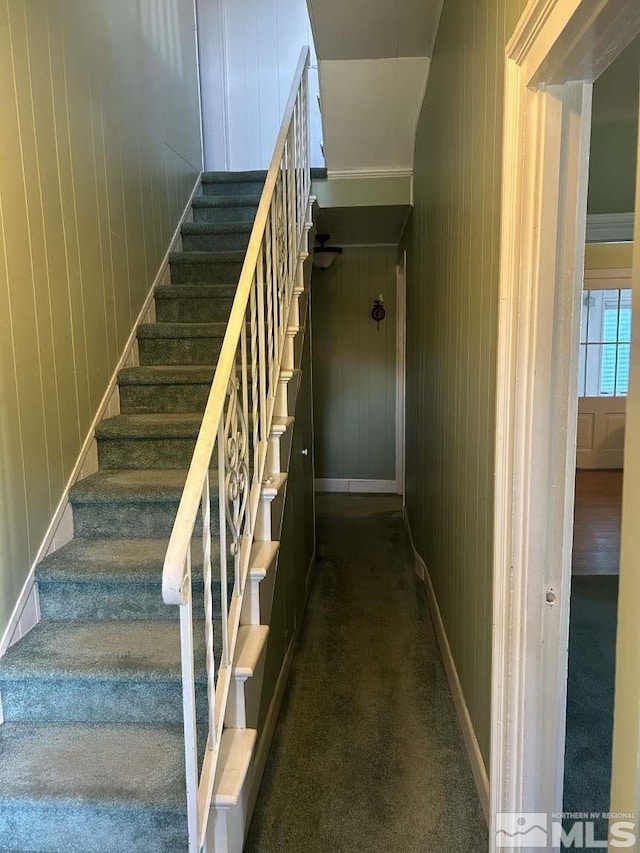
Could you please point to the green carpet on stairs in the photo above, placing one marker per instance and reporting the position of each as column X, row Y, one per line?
column 367, row 754
column 91, row 750
column 590, row 688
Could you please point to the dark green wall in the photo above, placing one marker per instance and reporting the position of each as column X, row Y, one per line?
column 297, row 536
column 452, row 310
column 355, row 377
column 614, row 135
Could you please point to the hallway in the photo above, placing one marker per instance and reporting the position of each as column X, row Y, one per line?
column 367, row 755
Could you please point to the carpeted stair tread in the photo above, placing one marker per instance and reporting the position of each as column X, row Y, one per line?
column 197, row 228
column 134, row 503
column 140, row 486
column 215, row 265
column 180, row 344
column 216, row 236
column 166, row 375
column 209, row 201
column 150, row 426
column 121, row 560
column 108, row 580
column 194, row 302
column 178, row 259
column 109, row 765
column 182, row 330
column 201, row 290
column 100, row 651
column 246, row 176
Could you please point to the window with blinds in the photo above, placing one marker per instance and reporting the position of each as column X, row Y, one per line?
column 605, row 343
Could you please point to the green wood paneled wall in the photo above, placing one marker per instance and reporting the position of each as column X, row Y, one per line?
column 99, row 151
column 354, row 366
column 612, row 165
column 452, row 309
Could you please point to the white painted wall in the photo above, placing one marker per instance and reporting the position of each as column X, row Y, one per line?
column 249, row 50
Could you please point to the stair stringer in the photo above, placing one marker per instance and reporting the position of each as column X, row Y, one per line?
column 229, row 823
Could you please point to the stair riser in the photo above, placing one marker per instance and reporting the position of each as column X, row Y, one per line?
column 179, row 350
column 74, row 700
column 224, row 214
column 205, row 272
column 146, row 454
column 214, row 242
column 83, row 828
column 233, row 188
column 131, row 520
column 61, row 601
column 163, row 399
column 185, row 310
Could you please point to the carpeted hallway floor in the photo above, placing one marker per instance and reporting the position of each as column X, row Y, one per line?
column 367, row 755
column 590, row 688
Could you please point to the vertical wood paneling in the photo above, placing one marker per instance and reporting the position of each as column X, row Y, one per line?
column 452, row 307
column 355, row 366
column 99, row 151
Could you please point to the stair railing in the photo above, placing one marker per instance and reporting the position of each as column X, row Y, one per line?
column 238, row 420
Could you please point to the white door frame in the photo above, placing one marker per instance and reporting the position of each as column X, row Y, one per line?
column 544, row 187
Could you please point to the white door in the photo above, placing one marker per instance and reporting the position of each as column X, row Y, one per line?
column 605, row 337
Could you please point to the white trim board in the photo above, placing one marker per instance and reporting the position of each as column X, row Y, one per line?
column 327, row 484
column 364, row 245
column 613, row 275
column 401, row 333
column 610, row 227
column 26, row 613
column 358, row 174
column 462, row 712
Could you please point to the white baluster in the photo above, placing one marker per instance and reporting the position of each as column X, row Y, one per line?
column 222, row 503
column 208, row 611
column 189, row 708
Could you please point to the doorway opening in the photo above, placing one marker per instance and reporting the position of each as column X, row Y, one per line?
column 556, row 53
column 604, row 366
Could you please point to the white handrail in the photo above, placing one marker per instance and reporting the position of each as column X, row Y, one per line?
column 238, row 414
column 173, row 572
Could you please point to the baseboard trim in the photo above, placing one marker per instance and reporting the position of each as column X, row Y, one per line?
column 464, row 719
column 324, row 484
column 26, row 613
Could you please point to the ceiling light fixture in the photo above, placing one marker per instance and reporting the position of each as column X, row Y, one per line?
column 324, row 256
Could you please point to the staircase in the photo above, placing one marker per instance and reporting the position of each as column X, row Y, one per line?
column 92, row 745
column 130, row 712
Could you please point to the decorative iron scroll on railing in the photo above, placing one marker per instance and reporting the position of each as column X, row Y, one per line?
column 238, row 418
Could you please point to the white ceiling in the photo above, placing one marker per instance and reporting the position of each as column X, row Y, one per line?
column 374, row 29
column 370, row 110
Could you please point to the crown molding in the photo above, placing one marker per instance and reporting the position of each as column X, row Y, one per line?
column 530, row 26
